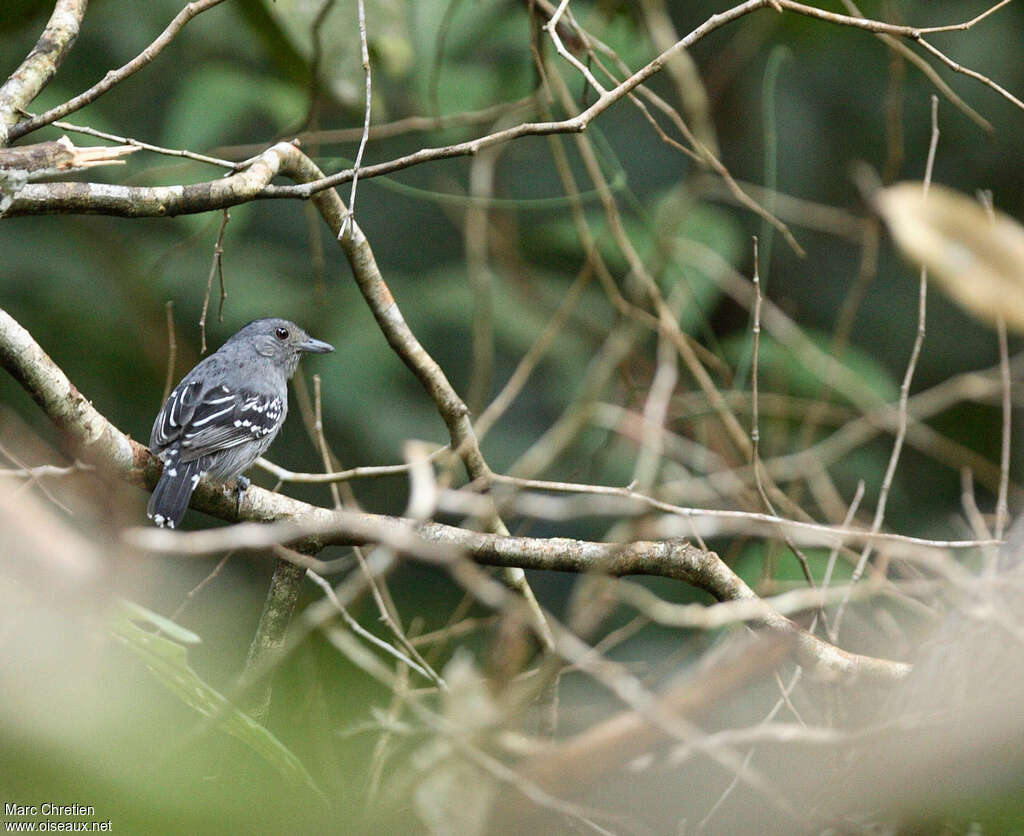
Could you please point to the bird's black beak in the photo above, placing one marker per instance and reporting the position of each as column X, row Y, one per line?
column 315, row 346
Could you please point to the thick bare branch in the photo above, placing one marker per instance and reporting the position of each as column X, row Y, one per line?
column 45, row 159
column 154, row 201
column 21, row 165
column 94, row 439
column 26, row 82
column 677, row 559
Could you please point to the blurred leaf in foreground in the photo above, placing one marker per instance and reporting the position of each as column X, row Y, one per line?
column 167, row 660
column 334, row 26
column 976, row 255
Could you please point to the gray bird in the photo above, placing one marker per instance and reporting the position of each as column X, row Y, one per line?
column 225, row 413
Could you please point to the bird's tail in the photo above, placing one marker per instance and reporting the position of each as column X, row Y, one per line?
column 172, row 493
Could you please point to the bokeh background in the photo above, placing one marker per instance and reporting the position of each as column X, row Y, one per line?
column 794, row 103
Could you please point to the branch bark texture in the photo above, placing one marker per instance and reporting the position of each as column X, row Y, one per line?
column 41, row 64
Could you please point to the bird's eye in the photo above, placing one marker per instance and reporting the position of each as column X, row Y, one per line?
column 281, row 333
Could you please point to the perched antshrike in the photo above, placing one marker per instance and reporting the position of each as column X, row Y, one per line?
column 225, row 413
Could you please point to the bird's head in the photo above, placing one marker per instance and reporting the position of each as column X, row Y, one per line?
column 280, row 341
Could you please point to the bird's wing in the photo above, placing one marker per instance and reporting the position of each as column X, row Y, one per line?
column 219, row 423
column 249, row 416
column 177, row 411
column 219, row 418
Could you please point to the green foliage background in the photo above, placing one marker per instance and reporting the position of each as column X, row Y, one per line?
column 92, row 291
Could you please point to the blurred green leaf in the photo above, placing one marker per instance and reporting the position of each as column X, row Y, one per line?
column 677, row 216
column 275, row 42
column 132, row 613
column 168, row 661
column 340, row 68
column 749, row 565
column 211, row 105
column 792, row 373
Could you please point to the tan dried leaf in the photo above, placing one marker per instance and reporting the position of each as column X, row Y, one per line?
column 975, row 256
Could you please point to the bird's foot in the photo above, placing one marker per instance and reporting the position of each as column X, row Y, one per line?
column 241, row 486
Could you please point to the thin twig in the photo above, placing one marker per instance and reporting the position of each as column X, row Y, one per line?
column 967, row 71
column 1002, row 508
column 32, row 476
column 755, row 428
column 388, row 130
column 41, row 471
column 831, row 533
column 755, row 330
column 361, row 631
column 901, row 431
column 851, row 514
column 378, row 587
column 321, row 439
column 315, row 61
column 783, row 699
column 481, row 278
column 373, row 472
column 216, row 269
column 145, row 146
column 453, row 631
column 974, row 516
column 552, row 29
column 378, row 761
column 534, row 355
column 172, row 349
column 655, row 412
column 199, row 587
column 725, row 613
column 364, row 52
column 904, row 51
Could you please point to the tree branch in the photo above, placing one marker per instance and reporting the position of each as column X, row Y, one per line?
column 26, row 82
column 580, row 122
column 98, row 442
column 152, row 201
column 286, row 159
column 402, row 340
column 45, row 159
column 20, row 165
column 113, row 77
